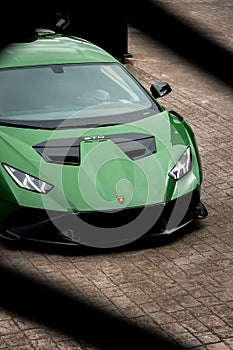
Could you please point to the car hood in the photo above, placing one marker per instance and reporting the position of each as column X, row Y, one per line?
column 96, row 174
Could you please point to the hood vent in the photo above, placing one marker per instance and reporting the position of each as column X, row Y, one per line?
column 67, row 151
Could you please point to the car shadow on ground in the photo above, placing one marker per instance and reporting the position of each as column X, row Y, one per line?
column 48, row 305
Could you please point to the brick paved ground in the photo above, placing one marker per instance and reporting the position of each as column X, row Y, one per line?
column 182, row 289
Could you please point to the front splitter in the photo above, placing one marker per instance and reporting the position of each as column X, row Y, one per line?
column 104, row 229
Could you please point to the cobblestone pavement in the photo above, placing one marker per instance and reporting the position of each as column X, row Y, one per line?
column 182, row 289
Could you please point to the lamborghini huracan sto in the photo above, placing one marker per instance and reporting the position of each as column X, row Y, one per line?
column 88, row 154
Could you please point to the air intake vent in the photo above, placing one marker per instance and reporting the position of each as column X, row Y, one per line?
column 136, row 148
column 67, row 151
column 60, row 155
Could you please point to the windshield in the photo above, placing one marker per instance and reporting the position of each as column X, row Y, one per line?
column 72, row 95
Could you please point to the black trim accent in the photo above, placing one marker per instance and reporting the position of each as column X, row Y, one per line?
column 74, row 142
column 35, row 224
column 67, row 150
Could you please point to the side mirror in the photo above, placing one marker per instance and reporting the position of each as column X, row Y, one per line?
column 62, row 21
column 160, row 89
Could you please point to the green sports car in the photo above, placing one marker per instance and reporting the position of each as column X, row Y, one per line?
column 88, row 154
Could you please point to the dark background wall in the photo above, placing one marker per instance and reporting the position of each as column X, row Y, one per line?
column 104, row 23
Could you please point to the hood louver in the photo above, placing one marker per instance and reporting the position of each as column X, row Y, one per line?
column 67, row 151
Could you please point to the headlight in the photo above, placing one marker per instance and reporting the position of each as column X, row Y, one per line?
column 183, row 166
column 27, row 181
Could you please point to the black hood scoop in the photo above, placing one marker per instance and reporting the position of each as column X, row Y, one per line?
column 67, row 150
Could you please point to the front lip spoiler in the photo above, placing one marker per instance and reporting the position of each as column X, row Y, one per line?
column 199, row 213
column 43, row 230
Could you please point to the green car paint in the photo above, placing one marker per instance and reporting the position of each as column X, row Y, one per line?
column 105, row 177
column 102, row 164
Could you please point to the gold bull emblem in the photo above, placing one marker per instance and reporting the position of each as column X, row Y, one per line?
column 120, row 199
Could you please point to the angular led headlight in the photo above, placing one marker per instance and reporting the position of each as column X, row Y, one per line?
column 183, row 166
column 27, row 181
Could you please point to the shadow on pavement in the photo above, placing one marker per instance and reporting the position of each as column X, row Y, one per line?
column 83, row 321
column 163, row 26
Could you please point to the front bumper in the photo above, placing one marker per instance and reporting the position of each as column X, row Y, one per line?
column 63, row 228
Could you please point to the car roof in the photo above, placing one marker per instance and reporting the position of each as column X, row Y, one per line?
column 51, row 48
